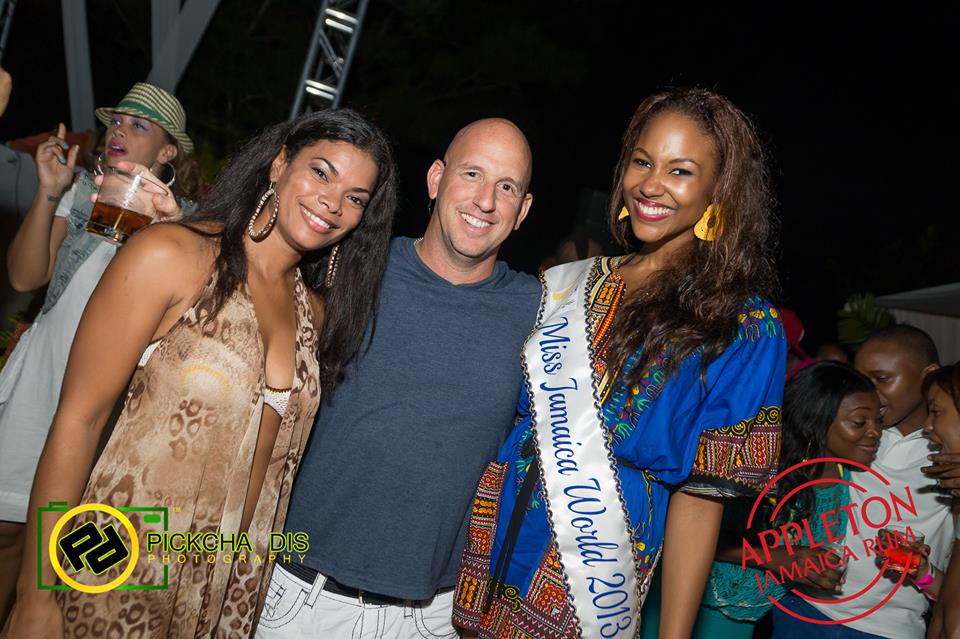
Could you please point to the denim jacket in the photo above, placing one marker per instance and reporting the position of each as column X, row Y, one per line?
column 78, row 244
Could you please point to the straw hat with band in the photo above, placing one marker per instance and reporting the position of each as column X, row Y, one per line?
column 154, row 104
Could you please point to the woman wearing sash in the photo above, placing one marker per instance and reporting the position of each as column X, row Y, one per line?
column 654, row 384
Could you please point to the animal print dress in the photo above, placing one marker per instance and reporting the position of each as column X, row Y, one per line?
column 185, row 442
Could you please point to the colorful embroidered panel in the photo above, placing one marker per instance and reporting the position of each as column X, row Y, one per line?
column 718, row 435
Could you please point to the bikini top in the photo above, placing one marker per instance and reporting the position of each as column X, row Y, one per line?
column 275, row 398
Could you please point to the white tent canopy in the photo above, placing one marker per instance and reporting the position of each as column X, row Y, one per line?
column 935, row 310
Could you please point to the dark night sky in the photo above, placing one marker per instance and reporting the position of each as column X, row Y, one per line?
column 857, row 106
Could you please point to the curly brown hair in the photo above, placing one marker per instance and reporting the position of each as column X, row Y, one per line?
column 189, row 182
column 694, row 301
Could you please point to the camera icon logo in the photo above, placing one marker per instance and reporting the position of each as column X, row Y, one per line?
column 94, row 549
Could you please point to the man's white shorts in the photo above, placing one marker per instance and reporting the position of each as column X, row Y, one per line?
column 295, row 608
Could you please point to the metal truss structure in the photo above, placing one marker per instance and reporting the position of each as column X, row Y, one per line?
column 328, row 62
column 6, row 17
column 176, row 30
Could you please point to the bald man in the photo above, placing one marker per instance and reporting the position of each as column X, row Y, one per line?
column 385, row 486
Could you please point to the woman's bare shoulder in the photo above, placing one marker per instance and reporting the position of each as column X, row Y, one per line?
column 207, row 228
column 173, row 251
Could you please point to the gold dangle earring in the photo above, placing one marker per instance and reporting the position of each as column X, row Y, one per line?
column 624, row 214
column 708, row 226
column 332, row 263
column 256, row 236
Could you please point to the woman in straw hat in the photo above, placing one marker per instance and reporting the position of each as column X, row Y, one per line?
column 145, row 131
column 229, row 323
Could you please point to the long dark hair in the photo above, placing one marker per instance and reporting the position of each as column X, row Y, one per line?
column 350, row 303
column 811, row 400
column 694, row 300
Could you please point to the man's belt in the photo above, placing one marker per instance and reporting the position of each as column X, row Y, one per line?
column 331, row 585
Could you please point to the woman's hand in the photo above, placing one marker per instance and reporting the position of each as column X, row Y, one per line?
column 165, row 207
column 32, row 254
column 54, row 164
column 830, row 579
column 887, row 541
column 923, row 568
column 38, row 618
column 924, row 571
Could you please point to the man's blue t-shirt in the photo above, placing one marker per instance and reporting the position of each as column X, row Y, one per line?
column 387, row 480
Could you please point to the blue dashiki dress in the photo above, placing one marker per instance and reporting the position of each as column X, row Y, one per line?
column 721, row 440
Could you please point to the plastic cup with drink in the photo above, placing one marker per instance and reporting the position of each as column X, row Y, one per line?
column 902, row 546
column 124, row 204
column 837, row 561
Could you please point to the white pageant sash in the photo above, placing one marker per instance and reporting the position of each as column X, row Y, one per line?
column 586, row 510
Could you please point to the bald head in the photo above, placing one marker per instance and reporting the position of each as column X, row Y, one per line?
column 481, row 193
column 496, row 133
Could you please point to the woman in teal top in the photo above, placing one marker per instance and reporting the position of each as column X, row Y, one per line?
column 829, row 410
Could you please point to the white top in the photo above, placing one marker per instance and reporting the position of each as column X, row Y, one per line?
column 66, row 201
column 899, row 460
column 31, row 379
column 276, row 399
column 147, row 352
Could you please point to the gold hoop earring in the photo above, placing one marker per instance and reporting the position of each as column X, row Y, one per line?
column 332, row 263
column 624, row 214
column 256, row 236
column 708, row 226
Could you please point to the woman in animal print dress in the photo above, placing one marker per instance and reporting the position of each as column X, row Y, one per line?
column 237, row 318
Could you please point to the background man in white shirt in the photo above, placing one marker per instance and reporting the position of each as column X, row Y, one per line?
column 896, row 359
